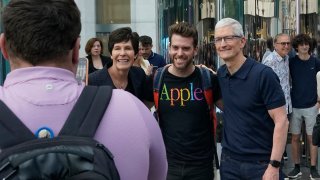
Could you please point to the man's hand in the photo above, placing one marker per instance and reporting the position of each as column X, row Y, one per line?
column 271, row 173
column 202, row 65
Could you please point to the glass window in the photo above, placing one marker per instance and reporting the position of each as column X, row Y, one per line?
column 113, row 12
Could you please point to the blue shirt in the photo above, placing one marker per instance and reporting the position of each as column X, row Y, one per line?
column 304, row 83
column 156, row 60
column 248, row 95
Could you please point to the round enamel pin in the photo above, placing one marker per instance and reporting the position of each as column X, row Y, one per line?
column 44, row 132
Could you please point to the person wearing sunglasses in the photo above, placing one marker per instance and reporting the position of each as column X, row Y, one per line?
column 278, row 60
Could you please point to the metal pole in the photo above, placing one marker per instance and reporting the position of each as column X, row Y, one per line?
column 219, row 17
column 297, row 17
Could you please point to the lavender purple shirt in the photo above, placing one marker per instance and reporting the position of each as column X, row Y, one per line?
column 44, row 96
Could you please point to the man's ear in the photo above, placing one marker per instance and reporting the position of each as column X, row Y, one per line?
column 195, row 51
column 3, row 46
column 243, row 42
column 75, row 51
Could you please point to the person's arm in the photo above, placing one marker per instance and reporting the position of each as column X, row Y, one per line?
column 219, row 104
column 216, row 90
column 279, row 117
column 149, row 104
column 158, row 164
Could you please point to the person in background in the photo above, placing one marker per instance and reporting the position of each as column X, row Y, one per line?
column 303, row 71
column 143, row 63
column 314, row 48
column 255, row 123
column 123, row 46
column 269, row 48
column 145, row 46
column 94, row 50
column 41, row 41
column 278, row 60
column 183, row 112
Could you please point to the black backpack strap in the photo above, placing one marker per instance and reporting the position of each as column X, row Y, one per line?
column 208, row 93
column 88, row 111
column 157, row 80
column 12, row 130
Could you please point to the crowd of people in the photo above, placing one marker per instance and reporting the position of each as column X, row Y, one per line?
column 297, row 75
column 261, row 102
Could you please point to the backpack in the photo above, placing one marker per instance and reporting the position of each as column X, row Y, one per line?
column 316, row 132
column 208, row 94
column 72, row 155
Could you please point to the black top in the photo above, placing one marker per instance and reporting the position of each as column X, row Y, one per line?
column 138, row 83
column 105, row 60
column 304, row 82
column 184, row 117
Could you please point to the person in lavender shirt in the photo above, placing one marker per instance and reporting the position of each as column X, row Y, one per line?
column 41, row 41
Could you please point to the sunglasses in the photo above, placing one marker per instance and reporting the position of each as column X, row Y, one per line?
column 284, row 43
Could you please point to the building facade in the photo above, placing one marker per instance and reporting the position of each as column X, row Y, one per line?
column 260, row 19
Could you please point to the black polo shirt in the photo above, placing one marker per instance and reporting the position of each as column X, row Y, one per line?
column 248, row 95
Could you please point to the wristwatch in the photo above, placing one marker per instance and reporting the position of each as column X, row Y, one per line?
column 275, row 163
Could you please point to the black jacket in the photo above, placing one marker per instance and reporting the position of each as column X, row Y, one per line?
column 138, row 83
column 105, row 60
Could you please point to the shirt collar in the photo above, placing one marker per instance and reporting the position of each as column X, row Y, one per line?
column 242, row 72
column 151, row 55
column 279, row 58
column 32, row 73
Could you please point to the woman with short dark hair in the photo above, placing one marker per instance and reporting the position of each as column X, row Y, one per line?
column 123, row 46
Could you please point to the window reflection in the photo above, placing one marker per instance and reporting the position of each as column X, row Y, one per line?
column 113, row 12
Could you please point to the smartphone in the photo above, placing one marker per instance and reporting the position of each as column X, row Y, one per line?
column 82, row 71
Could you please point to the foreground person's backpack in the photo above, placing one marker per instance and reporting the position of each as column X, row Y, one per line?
column 72, row 155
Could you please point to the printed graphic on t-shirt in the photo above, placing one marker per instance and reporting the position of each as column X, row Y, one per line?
column 184, row 118
column 179, row 96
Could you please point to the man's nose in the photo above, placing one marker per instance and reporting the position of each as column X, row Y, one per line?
column 179, row 51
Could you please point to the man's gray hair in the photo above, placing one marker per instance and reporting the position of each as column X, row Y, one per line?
column 236, row 26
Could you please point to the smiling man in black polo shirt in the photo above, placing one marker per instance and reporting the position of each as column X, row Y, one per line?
column 255, row 119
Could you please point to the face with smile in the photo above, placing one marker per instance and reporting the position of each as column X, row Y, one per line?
column 96, row 49
column 282, row 45
column 228, row 45
column 181, row 52
column 303, row 48
column 123, row 55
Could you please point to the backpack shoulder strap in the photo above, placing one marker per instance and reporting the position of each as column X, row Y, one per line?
column 157, row 80
column 88, row 111
column 12, row 130
column 206, row 78
column 208, row 94
column 206, row 85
